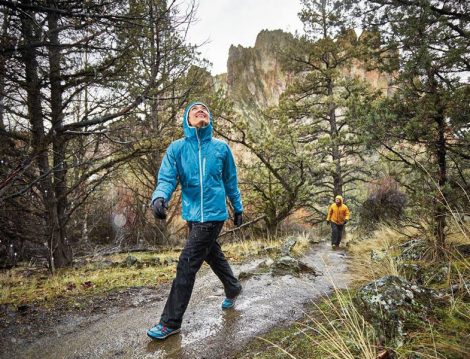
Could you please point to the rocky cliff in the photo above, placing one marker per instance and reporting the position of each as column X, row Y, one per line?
column 254, row 74
column 255, row 78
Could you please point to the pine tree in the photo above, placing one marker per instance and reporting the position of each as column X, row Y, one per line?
column 322, row 99
column 425, row 123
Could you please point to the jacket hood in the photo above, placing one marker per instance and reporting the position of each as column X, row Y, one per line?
column 190, row 132
column 340, row 198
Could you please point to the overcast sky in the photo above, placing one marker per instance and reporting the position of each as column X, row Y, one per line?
column 226, row 22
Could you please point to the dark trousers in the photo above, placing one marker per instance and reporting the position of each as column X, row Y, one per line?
column 201, row 246
column 336, row 233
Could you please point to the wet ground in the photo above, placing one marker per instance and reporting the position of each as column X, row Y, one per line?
column 207, row 332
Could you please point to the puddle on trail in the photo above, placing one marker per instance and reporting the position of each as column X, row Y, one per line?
column 207, row 332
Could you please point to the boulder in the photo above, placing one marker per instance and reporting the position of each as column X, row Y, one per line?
column 412, row 272
column 424, row 274
column 392, row 305
column 287, row 246
column 460, row 289
column 378, row 255
column 290, row 266
column 266, row 263
column 306, row 268
column 106, row 263
column 286, row 265
column 414, row 250
column 130, row 261
column 436, row 274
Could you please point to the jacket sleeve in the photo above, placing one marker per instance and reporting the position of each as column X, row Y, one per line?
column 167, row 176
column 347, row 213
column 328, row 216
column 229, row 176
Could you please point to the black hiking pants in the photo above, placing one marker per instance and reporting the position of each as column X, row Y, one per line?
column 336, row 233
column 201, row 246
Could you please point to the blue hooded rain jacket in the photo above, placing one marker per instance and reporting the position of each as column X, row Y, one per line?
column 206, row 170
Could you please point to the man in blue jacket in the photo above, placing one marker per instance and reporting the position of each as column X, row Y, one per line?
column 206, row 170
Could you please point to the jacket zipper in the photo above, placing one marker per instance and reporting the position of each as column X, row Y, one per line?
column 200, row 176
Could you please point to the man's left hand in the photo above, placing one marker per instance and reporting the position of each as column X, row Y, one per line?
column 237, row 219
column 346, row 221
column 159, row 208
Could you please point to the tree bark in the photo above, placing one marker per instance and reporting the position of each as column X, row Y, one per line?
column 440, row 198
column 440, row 210
column 61, row 249
column 335, row 151
column 40, row 146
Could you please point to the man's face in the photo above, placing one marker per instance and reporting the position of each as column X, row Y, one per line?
column 198, row 116
column 337, row 201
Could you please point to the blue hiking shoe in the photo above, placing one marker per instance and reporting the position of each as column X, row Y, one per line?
column 161, row 332
column 230, row 302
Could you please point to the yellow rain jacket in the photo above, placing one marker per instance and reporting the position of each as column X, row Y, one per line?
column 338, row 214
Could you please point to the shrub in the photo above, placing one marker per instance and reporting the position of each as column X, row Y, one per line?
column 385, row 203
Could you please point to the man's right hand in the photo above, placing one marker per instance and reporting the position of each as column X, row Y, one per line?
column 238, row 219
column 159, row 208
column 327, row 222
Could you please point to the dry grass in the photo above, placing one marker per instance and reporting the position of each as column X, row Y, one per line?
column 384, row 242
column 246, row 249
column 341, row 332
column 331, row 329
column 303, row 243
column 22, row 285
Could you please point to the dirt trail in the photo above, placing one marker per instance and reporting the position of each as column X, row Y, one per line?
column 207, row 331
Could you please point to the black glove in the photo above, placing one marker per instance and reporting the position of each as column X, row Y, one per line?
column 159, row 208
column 237, row 219
column 345, row 221
column 327, row 222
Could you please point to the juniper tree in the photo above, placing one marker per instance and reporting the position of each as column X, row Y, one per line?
column 324, row 94
column 425, row 124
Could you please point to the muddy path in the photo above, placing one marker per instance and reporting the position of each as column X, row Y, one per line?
column 207, row 331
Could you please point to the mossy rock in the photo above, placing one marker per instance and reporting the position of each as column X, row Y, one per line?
column 130, row 261
column 104, row 264
column 411, row 271
column 413, row 250
column 378, row 255
column 392, row 305
column 287, row 246
column 286, row 265
column 436, row 274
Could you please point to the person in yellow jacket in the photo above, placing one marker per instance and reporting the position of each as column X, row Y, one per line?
column 338, row 216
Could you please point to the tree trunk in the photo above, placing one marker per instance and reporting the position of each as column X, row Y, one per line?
column 62, row 251
column 3, row 42
column 335, row 150
column 440, row 148
column 39, row 144
column 440, row 210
